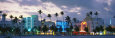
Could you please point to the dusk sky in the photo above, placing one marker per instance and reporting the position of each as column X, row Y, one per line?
column 72, row 8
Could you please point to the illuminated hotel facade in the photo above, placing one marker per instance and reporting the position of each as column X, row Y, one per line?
column 62, row 25
column 30, row 22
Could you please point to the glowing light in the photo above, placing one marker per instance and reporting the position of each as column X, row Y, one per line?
column 29, row 29
column 97, row 33
column 53, row 33
column 62, row 25
column 92, row 33
column 37, row 33
column 110, row 20
column 48, row 33
column 104, row 32
column 83, row 25
column 42, row 33
column 101, row 33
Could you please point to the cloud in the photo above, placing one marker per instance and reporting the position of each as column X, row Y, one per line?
column 107, row 9
column 73, row 8
column 3, row 0
column 29, row 2
column 16, row 9
column 63, row 6
column 71, row 3
column 108, row 2
column 50, row 8
column 76, row 9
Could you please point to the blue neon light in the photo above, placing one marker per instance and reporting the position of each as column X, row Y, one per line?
column 29, row 29
column 110, row 20
column 62, row 25
column 29, row 23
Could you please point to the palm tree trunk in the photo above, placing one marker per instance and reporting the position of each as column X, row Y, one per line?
column 41, row 17
column 92, row 22
column 57, row 18
column 97, row 20
column 50, row 19
column 63, row 19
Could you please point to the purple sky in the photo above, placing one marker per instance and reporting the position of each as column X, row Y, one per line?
column 72, row 8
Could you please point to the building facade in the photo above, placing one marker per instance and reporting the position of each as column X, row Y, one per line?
column 92, row 23
column 30, row 22
column 62, row 25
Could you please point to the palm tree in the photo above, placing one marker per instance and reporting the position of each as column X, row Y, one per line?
column 68, row 20
column 97, row 29
column 94, row 30
column 17, row 31
column 101, row 28
column 90, row 14
column 15, row 20
column 43, row 21
column 45, row 29
column 56, row 15
column 74, row 20
column 53, row 27
column 68, row 30
column 11, row 17
column 3, row 30
column 62, row 13
column 96, row 14
column 87, row 14
column 21, row 16
column 49, row 15
column 25, row 30
column 71, row 28
column 109, row 28
column 86, row 29
column 40, row 12
column 76, row 29
column 9, row 29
